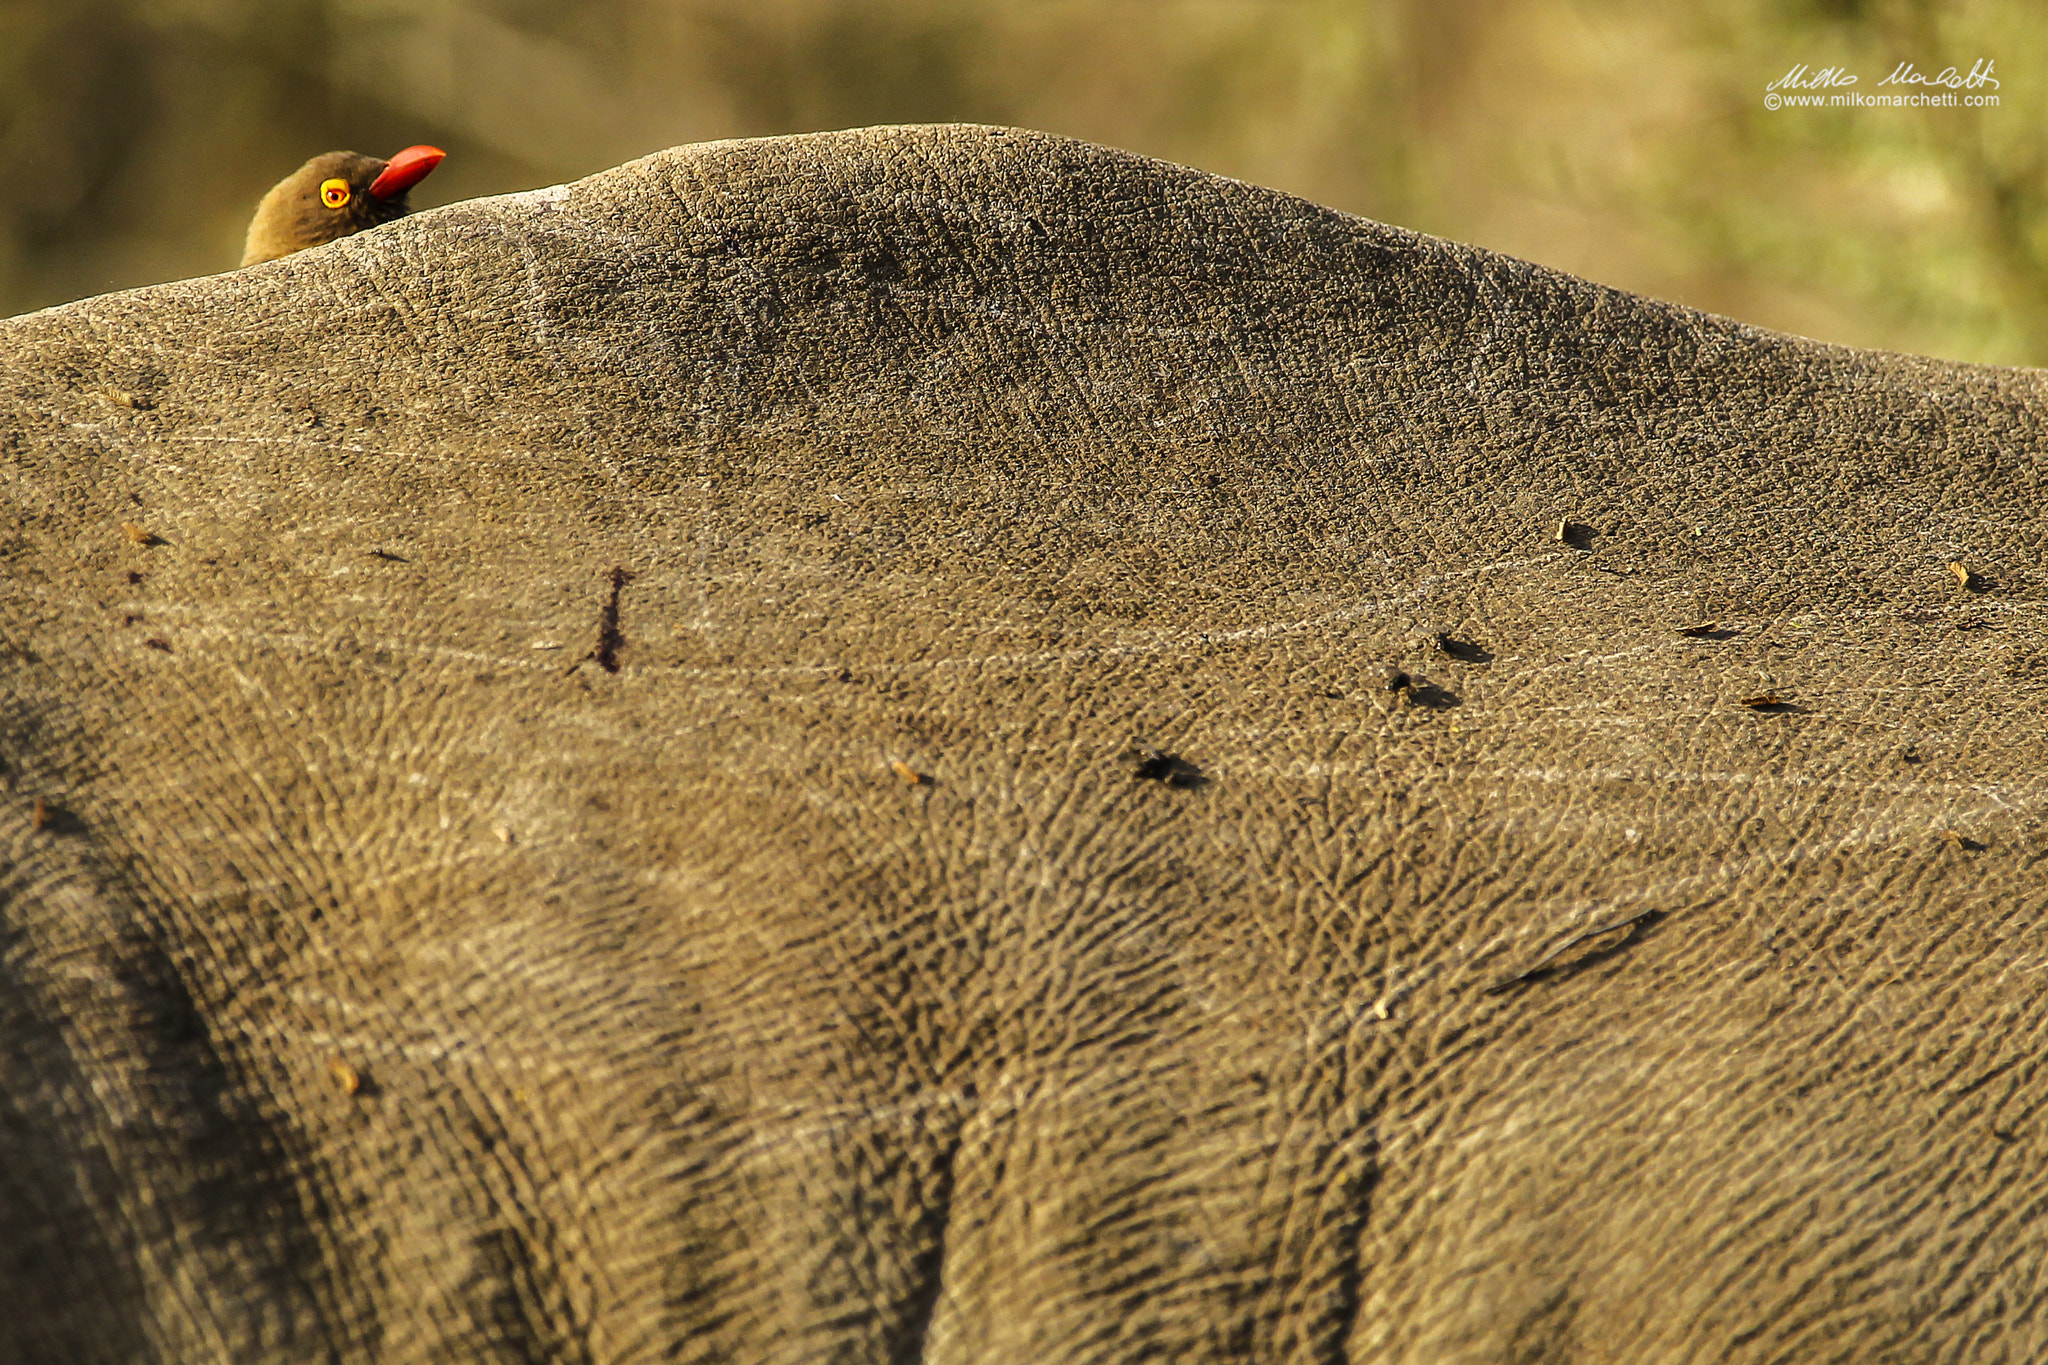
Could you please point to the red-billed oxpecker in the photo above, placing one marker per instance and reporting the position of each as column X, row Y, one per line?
column 332, row 196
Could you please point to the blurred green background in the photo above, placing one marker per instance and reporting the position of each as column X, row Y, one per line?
column 1625, row 142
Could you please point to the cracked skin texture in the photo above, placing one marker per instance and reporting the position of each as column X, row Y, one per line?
column 683, row 1028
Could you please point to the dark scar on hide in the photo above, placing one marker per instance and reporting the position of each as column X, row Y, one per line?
column 1548, row 964
column 610, row 640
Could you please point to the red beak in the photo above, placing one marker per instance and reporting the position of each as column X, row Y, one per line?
column 405, row 170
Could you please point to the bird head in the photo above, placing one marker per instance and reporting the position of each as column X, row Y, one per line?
column 332, row 196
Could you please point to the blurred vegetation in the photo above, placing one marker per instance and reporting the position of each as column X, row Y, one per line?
column 1623, row 142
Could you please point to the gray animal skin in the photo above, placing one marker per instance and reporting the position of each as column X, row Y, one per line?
column 788, row 754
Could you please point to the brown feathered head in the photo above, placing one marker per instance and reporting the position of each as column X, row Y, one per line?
column 332, row 196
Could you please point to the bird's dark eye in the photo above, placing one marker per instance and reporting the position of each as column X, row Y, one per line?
column 334, row 193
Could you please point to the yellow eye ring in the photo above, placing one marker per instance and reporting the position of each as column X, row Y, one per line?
column 334, row 193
